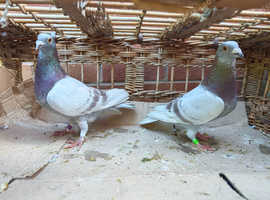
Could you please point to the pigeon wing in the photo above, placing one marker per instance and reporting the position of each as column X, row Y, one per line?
column 72, row 98
column 200, row 106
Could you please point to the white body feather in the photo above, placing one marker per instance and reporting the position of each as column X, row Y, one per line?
column 72, row 98
column 196, row 107
column 200, row 106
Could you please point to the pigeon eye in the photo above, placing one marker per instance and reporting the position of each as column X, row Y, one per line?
column 50, row 40
column 225, row 48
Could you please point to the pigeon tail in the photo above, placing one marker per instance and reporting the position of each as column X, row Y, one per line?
column 115, row 97
column 126, row 105
column 147, row 120
column 160, row 113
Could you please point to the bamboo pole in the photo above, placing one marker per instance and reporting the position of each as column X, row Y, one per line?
column 203, row 73
column 98, row 70
column 172, row 78
column 245, row 78
column 260, row 74
column 112, row 76
column 267, row 86
column 139, row 26
column 82, row 72
column 187, row 76
column 18, row 78
column 98, row 74
column 157, row 78
column 66, row 58
column 158, row 69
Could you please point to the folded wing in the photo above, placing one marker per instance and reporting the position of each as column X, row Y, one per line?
column 200, row 106
column 196, row 107
column 72, row 98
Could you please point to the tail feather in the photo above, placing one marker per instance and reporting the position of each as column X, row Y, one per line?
column 115, row 97
column 126, row 105
column 147, row 120
column 160, row 113
column 164, row 116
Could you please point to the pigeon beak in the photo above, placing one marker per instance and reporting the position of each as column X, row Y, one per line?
column 237, row 53
column 38, row 44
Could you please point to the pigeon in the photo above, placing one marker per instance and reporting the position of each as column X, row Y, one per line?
column 67, row 96
column 213, row 98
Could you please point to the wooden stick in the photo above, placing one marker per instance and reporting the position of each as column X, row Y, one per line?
column 259, row 81
column 172, row 78
column 245, row 78
column 98, row 70
column 66, row 58
column 203, row 73
column 187, row 78
column 158, row 69
column 138, row 28
column 112, row 76
column 267, row 86
column 157, row 78
column 18, row 78
column 82, row 72
column 98, row 74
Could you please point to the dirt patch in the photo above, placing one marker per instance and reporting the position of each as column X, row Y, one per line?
column 264, row 149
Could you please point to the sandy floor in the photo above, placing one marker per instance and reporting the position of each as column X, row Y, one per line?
column 132, row 162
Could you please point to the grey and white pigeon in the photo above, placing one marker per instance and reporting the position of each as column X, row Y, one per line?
column 67, row 96
column 214, row 98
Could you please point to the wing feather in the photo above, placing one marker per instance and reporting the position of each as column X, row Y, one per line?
column 200, row 106
column 73, row 98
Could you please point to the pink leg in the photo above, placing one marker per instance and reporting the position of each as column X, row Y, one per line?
column 203, row 137
column 77, row 143
column 63, row 132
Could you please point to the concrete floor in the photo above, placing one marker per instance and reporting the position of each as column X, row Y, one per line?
column 132, row 162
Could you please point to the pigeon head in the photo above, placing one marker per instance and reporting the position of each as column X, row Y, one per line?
column 46, row 42
column 48, row 70
column 229, row 51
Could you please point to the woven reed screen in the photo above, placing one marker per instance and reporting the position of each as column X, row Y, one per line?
column 149, row 73
column 256, row 89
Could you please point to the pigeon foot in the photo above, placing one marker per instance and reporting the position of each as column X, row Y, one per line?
column 63, row 132
column 203, row 137
column 78, row 143
column 206, row 148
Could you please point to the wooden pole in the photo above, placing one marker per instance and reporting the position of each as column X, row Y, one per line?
column 187, row 77
column 158, row 69
column 203, row 73
column 98, row 70
column 267, row 86
column 82, row 72
column 112, row 76
column 172, row 78
column 244, row 79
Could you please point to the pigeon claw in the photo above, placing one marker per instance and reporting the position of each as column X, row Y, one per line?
column 203, row 137
column 206, row 148
column 63, row 132
column 78, row 143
